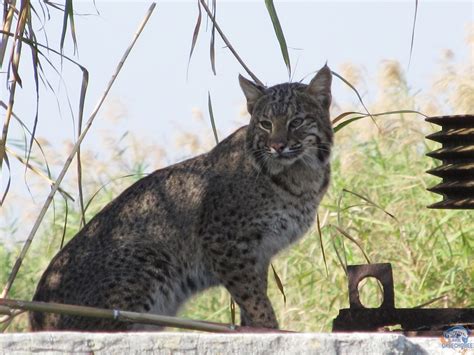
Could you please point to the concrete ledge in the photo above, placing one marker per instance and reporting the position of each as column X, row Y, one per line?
column 201, row 343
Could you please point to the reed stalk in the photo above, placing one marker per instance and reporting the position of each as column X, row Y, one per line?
column 73, row 153
column 8, row 305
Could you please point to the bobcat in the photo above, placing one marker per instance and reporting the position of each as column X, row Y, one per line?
column 216, row 219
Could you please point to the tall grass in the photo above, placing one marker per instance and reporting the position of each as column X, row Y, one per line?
column 82, row 131
column 430, row 250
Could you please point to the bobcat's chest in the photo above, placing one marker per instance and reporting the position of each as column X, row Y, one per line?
column 287, row 225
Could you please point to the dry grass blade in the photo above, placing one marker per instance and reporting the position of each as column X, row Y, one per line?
column 8, row 317
column 23, row 17
column 339, row 209
column 228, row 44
column 8, row 12
column 37, row 172
column 339, row 222
column 118, row 315
column 434, row 300
column 211, row 117
column 25, row 128
column 339, row 258
column 60, row 178
column 85, row 78
column 353, row 240
column 84, row 85
column 366, row 199
column 66, row 215
column 53, row 5
column 36, row 68
column 94, row 195
column 356, row 92
column 212, row 48
column 6, row 124
column 412, row 42
column 279, row 283
column 7, row 188
column 5, row 311
column 232, row 311
column 318, row 224
column 195, row 36
column 14, row 65
column 279, row 33
column 68, row 17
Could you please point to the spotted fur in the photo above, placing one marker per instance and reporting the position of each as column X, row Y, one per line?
column 216, row 219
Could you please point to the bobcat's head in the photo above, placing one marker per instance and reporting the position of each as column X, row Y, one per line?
column 289, row 123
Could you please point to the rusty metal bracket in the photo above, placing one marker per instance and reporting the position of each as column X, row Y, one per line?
column 413, row 321
column 382, row 272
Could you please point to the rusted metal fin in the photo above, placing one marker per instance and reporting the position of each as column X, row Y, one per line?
column 459, row 187
column 456, row 170
column 455, row 204
column 457, row 156
column 451, row 121
column 452, row 135
column 460, row 152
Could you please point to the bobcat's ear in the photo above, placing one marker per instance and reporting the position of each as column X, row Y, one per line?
column 320, row 87
column 251, row 91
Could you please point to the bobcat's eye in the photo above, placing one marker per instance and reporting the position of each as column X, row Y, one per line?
column 296, row 123
column 266, row 125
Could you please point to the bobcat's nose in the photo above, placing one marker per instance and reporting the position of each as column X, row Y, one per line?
column 277, row 147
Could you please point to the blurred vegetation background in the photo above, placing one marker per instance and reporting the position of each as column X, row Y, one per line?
column 431, row 251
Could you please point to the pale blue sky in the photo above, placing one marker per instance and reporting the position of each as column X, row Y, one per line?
column 153, row 87
column 153, row 83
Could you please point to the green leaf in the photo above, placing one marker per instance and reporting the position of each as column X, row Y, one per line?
column 345, row 123
column 363, row 115
column 279, row 33
column 344, row 114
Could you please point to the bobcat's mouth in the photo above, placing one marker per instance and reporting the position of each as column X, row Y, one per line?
column 288, row 153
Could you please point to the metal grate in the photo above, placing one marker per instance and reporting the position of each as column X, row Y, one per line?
column 457, row 156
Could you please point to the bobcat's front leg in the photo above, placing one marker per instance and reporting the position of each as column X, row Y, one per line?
column 247, row 285
column 255, row 306
column 244, row 318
